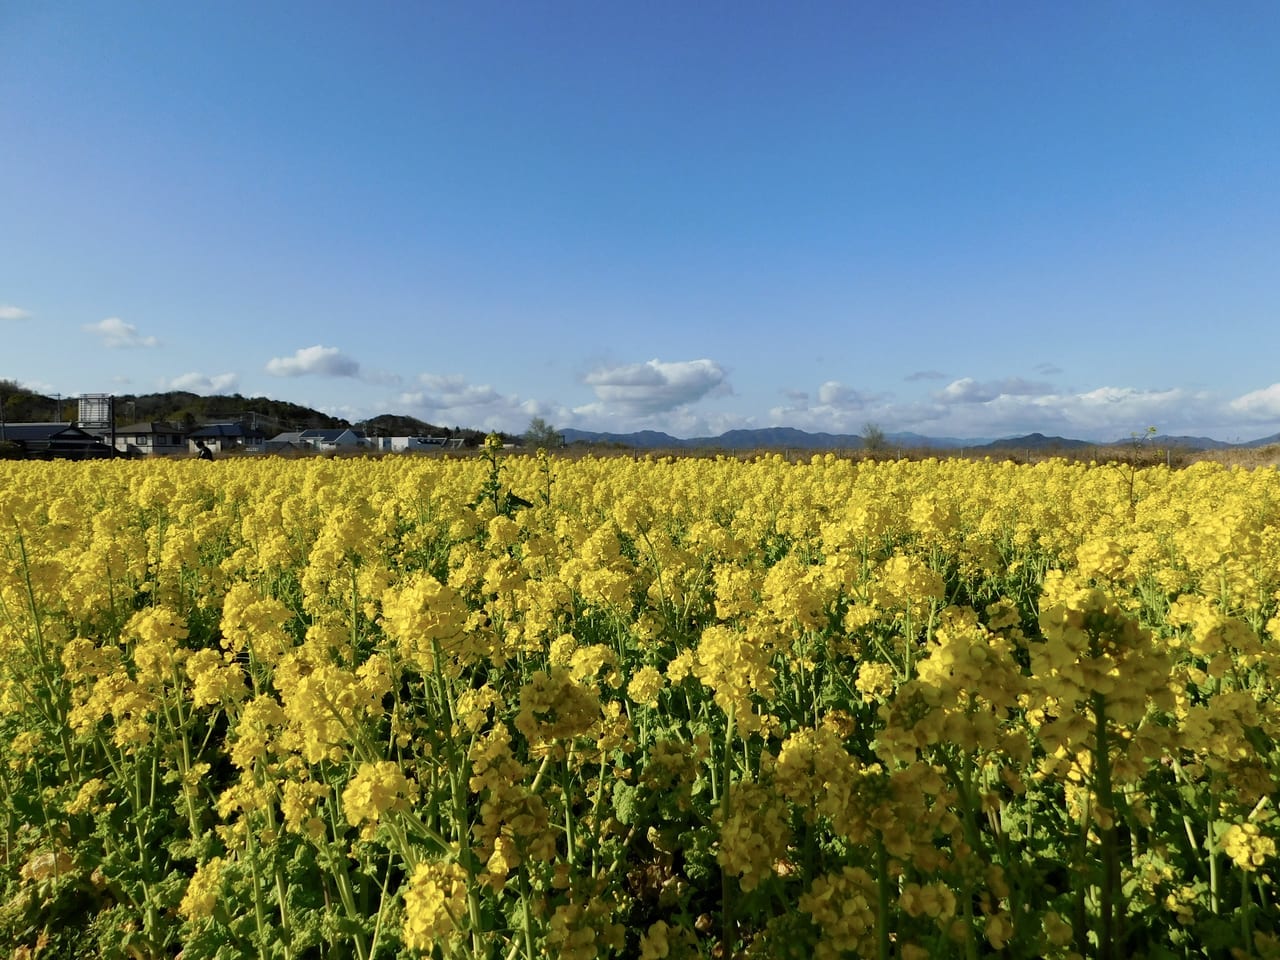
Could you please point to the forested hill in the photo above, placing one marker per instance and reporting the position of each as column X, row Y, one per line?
column 181, row 407
column 20, row 405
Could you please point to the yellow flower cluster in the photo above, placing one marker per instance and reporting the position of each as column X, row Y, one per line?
column 203, row 891
column 516, row 705
column 843, row 907
column 1247, row 846
column 434, row 904
column 377, row 789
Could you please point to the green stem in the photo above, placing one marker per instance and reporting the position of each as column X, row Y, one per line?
column 596, row 818
column 1246, row 914
column 1108, row 882
column 282, row 901
column 726, row 804
column 382, row 907
column 338, row 870
column 525, row 922
column 282, row 904
column 355, row 613
column 259, row 911
column 882, row 901
column 966, row 899
column 1211, row 846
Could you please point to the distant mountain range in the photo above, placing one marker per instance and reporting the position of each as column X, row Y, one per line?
column 20, row 404
column 788, row 438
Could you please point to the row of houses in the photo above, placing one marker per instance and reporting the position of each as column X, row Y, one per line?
column 153, row 438
column 48, row 440
column 171, row 439
column 349, row 439
column 73, row 441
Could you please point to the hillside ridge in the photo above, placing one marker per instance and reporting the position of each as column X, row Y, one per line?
column 18, row 404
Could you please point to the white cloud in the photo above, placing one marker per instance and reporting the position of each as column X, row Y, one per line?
column 203, row 384
column 9, row 312
column 968, row 390
column 645, row 389
column 321, row 361
column 314, row 361
column 1261, row 404
column 120, row 335
column 840, row 408
column 449, row 400
column 688, row 423
column 836, row 394
column 452, row 390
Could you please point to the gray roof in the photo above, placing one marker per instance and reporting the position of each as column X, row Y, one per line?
column 236, row 431
column 151, row 427
column 328, row 436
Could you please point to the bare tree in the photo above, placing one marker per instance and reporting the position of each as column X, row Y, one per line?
column 542, row 434
column 873, row 438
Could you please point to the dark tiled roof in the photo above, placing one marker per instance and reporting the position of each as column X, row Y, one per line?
column 43, row 431
column 54, row 440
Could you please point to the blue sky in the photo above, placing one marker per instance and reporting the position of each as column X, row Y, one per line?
column 970, row 220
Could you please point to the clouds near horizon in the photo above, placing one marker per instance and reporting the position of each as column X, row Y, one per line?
column 654, row 387
column 968, row 390
column 9, row 312
column 450, row 399
column 1259, row 405
column 839, row 408
column 1010, row 406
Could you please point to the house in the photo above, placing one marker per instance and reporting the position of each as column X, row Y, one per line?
column 44, row 441
column 341, row 438
column 226, row 437
column 151, row 439
column 290, row 440
column 407, row 444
